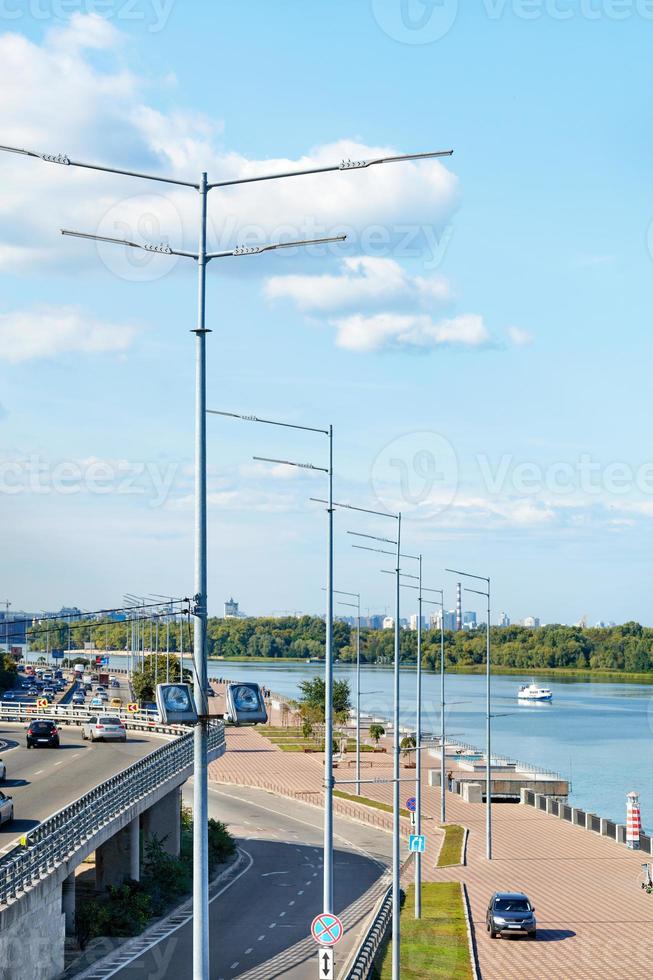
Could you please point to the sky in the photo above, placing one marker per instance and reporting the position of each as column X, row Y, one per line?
column 480, row 343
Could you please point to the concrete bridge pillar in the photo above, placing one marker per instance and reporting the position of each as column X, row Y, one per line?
column 163, row 821
column 113, row 860
column 135, row 849
column 68, row 903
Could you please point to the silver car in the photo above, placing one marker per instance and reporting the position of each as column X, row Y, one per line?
column 6, row 808
column 104, row 728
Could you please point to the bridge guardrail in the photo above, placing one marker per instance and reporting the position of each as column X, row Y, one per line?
column 142, row 720
column 59, row 836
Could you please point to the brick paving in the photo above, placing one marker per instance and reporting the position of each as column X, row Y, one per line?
column 594, row 920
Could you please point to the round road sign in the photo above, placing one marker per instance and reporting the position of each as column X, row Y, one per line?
column 411, row 804
column 327, row 929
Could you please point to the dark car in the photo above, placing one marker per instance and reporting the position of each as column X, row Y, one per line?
column 510, row 912
column 43, row 733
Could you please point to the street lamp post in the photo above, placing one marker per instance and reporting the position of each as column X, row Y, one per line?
column 202, row 257
column 327, row 894
column 396, row 870
column 488, row 710
column 357, row 606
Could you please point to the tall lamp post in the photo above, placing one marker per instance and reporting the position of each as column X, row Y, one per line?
column 327, row 896
column 488, row 710
column 357, row 606
column 396, row 889
column 200, row 611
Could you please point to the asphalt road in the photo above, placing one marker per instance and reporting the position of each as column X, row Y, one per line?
column 42, row 781
column 260, row 921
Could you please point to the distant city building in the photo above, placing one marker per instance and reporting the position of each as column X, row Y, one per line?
column 469, row 620
column 413, row 622
column 449, row 619
column 375, row 622
column 459, row 607
column 388, row 623
column 231, row 610
column 503, row 620
column 532, row 622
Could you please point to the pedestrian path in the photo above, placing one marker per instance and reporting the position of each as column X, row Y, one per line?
column 594, row 920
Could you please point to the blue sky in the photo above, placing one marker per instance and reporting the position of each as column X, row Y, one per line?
column 481, row 344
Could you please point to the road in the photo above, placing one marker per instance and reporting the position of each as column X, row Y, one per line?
column 260, row 921
column 42, row 781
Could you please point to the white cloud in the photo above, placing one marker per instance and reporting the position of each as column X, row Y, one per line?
column 59, row 97
column 519, row 337
column 49, row 331
column 371, row 333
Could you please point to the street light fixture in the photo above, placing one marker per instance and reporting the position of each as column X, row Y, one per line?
column 200, row 609
column 488, row 709
column 328, row 652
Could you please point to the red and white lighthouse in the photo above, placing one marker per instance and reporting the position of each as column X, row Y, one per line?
column 633, row 821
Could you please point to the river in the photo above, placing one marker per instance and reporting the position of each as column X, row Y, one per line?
column 598, row 734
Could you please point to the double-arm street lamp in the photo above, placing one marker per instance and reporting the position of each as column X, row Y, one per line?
column 488, row 709
column 328, row 653
column 200, row 610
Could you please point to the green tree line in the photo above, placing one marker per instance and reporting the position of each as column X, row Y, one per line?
column 626, row 648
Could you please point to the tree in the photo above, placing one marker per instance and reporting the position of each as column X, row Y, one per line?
column 407, row 745
column 376, row 732
column 313, row 695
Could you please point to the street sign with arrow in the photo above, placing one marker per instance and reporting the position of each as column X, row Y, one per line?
column 325, row 960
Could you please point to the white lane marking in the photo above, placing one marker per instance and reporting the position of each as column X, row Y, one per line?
column 261, row 938
column 301, row 892
column 248, row 951
column 272, row 925
column 144, row 947
column 268, row 874
column 234, row 965
column 281, row 915
column 58, row 763
column 291, row 903
column 38, row 772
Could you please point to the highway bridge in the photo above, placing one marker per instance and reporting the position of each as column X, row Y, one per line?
column 73, row 801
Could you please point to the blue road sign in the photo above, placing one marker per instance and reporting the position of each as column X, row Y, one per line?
column 327, row 929
column 411, row 804
column 417, row 843
column 56, row 654
column 105, row 660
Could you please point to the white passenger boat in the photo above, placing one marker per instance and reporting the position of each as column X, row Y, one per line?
column 531, row 692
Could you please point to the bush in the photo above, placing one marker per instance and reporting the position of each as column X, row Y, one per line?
column 125, row 912
column 165, row 877
column 221, row 844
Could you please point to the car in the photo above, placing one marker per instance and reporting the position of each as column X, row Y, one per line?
column 49, row 691
column 115, row 683
column 41, row 732
column 33, row 690
column 98, row 688
column 103, row 696
column 96, row 703
column 6, row 808
column 116, row 702
column 79, row 697
column 510, row 912
column 104, row 728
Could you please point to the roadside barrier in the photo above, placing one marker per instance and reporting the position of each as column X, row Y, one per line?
column 58, row 837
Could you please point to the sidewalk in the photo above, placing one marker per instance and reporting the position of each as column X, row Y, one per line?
column 594, row 921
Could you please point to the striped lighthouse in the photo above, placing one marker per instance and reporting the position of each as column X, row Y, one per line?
column 633, row 821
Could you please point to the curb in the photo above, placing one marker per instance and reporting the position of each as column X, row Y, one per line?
column 471, row 938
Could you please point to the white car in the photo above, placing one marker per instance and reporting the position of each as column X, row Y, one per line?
column 6, row 808
column 3, row 770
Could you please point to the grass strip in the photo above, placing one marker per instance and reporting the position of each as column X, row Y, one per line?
column 387, row 807
column 435, row 946
column 451, row 845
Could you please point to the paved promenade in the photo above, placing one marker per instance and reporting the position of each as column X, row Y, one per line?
column 594, row 921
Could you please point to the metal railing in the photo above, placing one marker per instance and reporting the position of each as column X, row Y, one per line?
column 373, row 940
column 68, row 714
column 59, row 836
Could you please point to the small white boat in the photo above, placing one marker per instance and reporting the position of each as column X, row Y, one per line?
column 531, row 692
